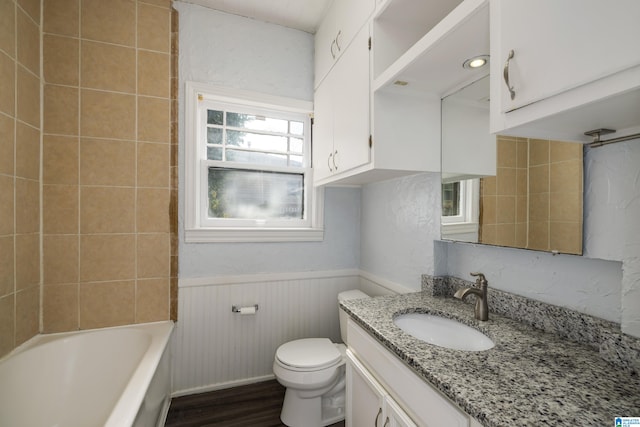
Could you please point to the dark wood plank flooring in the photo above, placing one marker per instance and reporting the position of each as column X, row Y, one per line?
column 255, row 405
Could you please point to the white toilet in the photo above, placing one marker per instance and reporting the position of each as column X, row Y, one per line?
column 312, row 370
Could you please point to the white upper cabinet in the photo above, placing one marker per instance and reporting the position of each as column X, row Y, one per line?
column 575, row 66
column 336, row 32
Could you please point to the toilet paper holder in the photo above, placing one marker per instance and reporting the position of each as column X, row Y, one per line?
column 237, row 309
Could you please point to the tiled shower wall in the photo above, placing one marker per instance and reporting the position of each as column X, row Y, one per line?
column 107, row 163
column 535, row 199
column 101, row 205
column 19, row 171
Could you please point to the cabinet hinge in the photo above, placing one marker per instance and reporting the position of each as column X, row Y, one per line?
column 369, row 42
column 370, row 141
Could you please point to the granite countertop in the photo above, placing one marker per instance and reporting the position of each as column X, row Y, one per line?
column 528, row 378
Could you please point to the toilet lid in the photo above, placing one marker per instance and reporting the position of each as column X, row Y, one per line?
column 309, row 353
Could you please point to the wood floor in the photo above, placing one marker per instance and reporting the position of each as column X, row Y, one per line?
column 254, row 405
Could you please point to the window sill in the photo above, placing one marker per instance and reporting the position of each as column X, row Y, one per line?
column 459, row 228
column 259, row 235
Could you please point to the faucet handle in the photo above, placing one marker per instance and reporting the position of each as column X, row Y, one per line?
column 481, row 280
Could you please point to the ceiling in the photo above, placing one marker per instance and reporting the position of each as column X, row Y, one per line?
column 304, row 15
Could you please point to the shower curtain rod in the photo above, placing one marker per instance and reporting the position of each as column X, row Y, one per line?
column 598, row 143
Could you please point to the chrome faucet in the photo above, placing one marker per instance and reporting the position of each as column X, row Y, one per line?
column 482, row 308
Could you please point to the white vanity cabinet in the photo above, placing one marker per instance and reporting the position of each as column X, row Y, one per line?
column 336, row 32
column 377, row 381
column 578, row 58
column 341, row 125
column 369, row 403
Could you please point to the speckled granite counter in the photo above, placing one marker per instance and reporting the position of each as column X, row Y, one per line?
column 529, row 378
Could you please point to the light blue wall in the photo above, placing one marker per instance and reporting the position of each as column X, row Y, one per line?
column 236, row 52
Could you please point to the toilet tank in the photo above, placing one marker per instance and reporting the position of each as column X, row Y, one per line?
column 344, row 296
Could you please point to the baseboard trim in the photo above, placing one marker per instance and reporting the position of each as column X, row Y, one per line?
column 222, row 386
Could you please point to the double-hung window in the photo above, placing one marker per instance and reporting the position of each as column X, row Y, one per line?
column 248, row 167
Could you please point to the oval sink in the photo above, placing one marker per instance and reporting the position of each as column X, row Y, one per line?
column 443, row 332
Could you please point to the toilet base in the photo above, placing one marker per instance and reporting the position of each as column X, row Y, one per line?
column 312, row 412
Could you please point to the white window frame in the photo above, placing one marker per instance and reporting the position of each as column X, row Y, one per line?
column 199, row 228
column 467, row 220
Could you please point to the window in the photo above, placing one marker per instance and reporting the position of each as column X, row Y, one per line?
column 248, row 168
column 460, row 207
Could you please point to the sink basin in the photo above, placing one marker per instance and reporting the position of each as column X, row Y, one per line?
column 443, row 332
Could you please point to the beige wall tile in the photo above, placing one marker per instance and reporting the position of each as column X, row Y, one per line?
column 506, row 182
column 6, row 265
column 521, row 235
column 152, row 210
column 538, row 235
column 488, row 234
column 28, row 97
column 152, row 300
column 522, row 182
column 27, row 260
column 28, row 38
column 7, row 85
column 506, row 153
column 27, row 151
column 62, row 17
column 113, row 21
column 506, row 209
column 489, row 209
column 488, row 185
column 32, row 7
column 522, row 153
column 60, row 160
column 561, row 151
column 566, row 237
column 107, row 115
column 566, row 177
column 162, row 3
column 539, row 207
column 107, row 162
column 7, row 323
column 522, row 209
column 27, row 314
column 60, row 110
column 60, row 60
column 7, row 140
column 27, row 206
column 108, row 67
column 107, row 210
column 154, row 28
column 538, row 152
column 60, row 209
column 153, row 74
column 153, row 165
column 107, row 257
column 539, row 179
column 153, row 255
column 60, row 259
column 505, row 235
column 60, row 308
column 154, row 120
column 566, row 207
column 107, row 304
column 6, row 205
column 8, row 27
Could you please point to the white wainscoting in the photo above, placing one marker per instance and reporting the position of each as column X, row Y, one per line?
column 215, row 348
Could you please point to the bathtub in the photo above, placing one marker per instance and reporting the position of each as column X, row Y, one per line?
column 113, row 377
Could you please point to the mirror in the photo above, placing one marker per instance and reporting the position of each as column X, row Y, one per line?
column 503, row 190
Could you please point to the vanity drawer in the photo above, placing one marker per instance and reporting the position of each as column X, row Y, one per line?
column 422, row 402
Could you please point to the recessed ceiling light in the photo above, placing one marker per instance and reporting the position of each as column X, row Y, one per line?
column 476, row 62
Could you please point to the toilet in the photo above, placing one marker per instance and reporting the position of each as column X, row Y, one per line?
column 313, row 371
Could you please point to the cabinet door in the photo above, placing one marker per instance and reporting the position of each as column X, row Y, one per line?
column 365, row 397
column 396, row 416
column 559, row 45
column 322, row 137
column 324, row 43
column 351, row 92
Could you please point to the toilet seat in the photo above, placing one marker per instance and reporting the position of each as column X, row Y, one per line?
column 308, row 354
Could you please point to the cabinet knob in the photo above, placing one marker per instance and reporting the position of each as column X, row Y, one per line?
column 505, row 73
column 375, row 423
column 335, row 154
column 329, row 162
column 338, row 40
column 333, row 55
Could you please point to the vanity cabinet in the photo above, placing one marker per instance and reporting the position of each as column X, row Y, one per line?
column 576, row 58
column 336, row 32
column 341, row 128
column 378, row 382
column 369, row 403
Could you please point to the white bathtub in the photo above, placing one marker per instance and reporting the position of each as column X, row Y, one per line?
column 115, row 377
